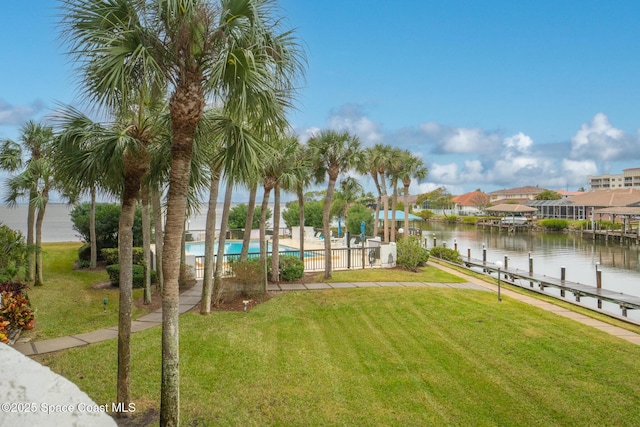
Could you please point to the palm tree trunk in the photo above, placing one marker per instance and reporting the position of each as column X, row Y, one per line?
column 92, row 229
column 275, row 256
column 394, row 202
column 184, row 128
column 248, row 225
column 31, row 219
column 325, row 227
column 376, row 222
column 158, row 234
column 263, row 228
column 125, row 260
column 146, row 243
column 224, row 222
column 209, row 242
column 406, row 210
column 301, row 216
column 38, row 281
column 386, row 208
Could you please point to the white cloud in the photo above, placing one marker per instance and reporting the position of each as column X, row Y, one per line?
column 351, row 118
column 598, row 139
column 18, row 114
column 455, row 140
column 517, row 144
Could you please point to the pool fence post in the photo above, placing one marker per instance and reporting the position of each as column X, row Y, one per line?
column 347, row 236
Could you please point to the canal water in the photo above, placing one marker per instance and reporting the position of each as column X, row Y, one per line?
column 620, row 264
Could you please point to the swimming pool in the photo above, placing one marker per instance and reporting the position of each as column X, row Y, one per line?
column 233, row 247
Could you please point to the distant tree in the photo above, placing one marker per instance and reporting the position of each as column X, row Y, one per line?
column 345, row 196
column 548, row 195
column 355, row 215
column 439, row 198
column 581, row 189
column 312, row 214
column 480, row 200
column 107, row 220
column 238, row 215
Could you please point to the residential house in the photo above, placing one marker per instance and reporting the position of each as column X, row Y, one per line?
column 472, row 203
column 520, row 195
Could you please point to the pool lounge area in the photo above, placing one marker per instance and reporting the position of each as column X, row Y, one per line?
column 373, row 255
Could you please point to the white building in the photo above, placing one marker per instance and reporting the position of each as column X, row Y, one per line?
column 629, row 178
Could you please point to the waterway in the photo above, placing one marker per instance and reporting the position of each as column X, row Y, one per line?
column 620, row 264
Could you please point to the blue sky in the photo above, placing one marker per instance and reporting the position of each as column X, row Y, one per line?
column 492, row 94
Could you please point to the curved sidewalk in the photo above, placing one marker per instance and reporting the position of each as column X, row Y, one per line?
column 191, row 297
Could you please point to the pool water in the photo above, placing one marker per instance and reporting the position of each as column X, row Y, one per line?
column 233, row 247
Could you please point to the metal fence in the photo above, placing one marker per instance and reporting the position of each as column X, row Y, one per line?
column 314, row 259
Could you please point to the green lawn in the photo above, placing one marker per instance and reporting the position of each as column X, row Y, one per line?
column 425, row 274
column 379, row 356
column 67, row 304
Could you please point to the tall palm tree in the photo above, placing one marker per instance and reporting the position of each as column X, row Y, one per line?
column 412, row 168
column 394, row 169
column 120, row 152
column 236, row 52
column 332, row 153
column 376, row 164
column 349, row 192
column 300, row 181
column 30, row 159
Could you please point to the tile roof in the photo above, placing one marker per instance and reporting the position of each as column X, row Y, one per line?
column 530, row 189
column 609, row 197
column 473, row 198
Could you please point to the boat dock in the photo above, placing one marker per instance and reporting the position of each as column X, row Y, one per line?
column 618, row 235
column 513, row 277
column 497, row 223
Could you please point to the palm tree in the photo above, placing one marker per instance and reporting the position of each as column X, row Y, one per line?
column 394, row 168
column 120, row 153
column 302, row 177
column 236, row 52
column 376, row 163
column 283, row 170
column 349, row 192
column 332, row 153
column 412, row 168
column 34, row 181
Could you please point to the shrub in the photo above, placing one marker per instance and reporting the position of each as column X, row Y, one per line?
column 4, row 333
column 138, row 275
column 554, row 223
column 452, row 219
column 290, row 266
column 249, row 274
column 470, row 220
column 411, row 254
column 107, row 219
column 110, row 255
column 16, row 310
column 13, row 254
column 84, row 252
column 446, row 254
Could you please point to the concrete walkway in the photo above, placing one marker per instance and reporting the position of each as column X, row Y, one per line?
column 191, row 297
